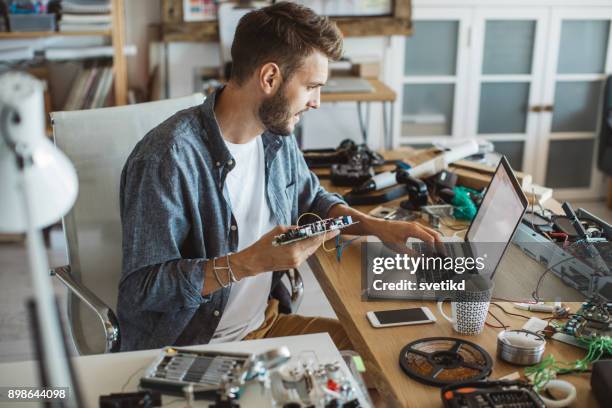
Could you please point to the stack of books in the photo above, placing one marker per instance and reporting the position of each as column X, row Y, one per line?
column 91, row 89
column 85, row 15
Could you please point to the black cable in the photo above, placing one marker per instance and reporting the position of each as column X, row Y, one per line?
column 535, row 294
column 510, row 313
column 503, row 326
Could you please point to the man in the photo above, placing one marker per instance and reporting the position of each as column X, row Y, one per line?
column 204, row 193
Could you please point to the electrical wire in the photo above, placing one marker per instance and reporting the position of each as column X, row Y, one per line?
column 535, row 295
column 324, row 232
column 549, row 368
column 125, row 384
column 510, row 313
column 502, row 325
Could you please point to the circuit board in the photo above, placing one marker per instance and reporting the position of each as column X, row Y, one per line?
column 312, row 230
column 590, row 321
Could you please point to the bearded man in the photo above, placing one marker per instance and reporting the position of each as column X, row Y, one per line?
column 205, row 192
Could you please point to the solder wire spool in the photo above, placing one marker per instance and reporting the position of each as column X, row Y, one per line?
column 520, row 347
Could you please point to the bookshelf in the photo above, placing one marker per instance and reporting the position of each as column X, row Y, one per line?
column 116, row 35
column 39, row 34
column 173, row 28
column 119, row 68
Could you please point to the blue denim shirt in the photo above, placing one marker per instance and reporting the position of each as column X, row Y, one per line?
column 175, row 216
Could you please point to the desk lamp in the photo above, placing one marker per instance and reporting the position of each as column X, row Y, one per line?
column 38, row 185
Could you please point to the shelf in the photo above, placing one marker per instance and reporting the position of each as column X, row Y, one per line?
column 173, row 28
column 39, row 34
column 350, row 27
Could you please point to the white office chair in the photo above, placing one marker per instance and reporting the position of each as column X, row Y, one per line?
column 98, row 142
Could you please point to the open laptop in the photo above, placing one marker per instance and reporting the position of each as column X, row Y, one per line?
column 492, row 228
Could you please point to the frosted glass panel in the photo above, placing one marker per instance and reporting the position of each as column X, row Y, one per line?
column 513, row 152
column 503, row 107
column 576, row 106
column 508, row 47
column 432, row 49
column 569, row 163
column 583, row 46
column 428, row 109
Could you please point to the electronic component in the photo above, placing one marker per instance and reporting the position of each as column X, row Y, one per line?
column 591, row 320
column 204, row 370
column 347, row 152
column 601, row 381
column 520, row 347
column 350, row 174
column 394, row 213
column 312, row 230
column 491, row 394
column 417, row 191
column 142, row 399
column 441, row 361
column 388, row 194
column 571, row 261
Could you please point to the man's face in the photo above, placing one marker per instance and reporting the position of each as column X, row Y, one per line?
column 282, row 111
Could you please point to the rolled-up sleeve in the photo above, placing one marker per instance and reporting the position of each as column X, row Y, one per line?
column 155, row 224
column 312, row 197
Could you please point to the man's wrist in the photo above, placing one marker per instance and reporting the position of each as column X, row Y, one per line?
column 242, row 265
column 371, row 225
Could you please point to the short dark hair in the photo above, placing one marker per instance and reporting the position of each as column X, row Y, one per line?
column 284, row 33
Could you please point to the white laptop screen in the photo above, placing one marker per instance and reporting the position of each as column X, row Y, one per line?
column 499, row 214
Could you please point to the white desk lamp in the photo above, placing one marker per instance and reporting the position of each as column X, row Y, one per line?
column 38, row 185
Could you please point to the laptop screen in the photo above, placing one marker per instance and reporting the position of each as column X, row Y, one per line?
column 500, row 212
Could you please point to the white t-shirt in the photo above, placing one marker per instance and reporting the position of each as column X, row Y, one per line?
column 246, row 187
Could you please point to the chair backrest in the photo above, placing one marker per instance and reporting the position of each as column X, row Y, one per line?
column 98, row 142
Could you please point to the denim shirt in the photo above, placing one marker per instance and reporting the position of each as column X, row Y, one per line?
column 175, row 216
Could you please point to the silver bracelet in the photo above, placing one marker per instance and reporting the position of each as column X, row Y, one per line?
column 231, row 278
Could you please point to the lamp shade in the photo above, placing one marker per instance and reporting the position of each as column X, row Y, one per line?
column 27, row 156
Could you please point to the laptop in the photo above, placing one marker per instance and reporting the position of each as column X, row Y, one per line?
column 490, row 232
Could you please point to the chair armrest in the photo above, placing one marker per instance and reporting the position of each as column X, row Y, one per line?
column 105, row 313
column 297, row 288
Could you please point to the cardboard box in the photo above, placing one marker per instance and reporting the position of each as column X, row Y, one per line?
column 370, row 69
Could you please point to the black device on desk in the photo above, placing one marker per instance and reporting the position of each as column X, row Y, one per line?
column 346, row 153
column 491, row 394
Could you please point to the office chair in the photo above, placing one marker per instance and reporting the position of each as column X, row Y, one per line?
column 98, row 142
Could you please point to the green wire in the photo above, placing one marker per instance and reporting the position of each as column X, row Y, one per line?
column 548, row 369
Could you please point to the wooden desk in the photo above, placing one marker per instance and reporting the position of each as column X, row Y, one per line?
column 380, row 348
column 381, row 93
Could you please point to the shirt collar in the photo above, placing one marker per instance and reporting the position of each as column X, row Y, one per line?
column 212, row 135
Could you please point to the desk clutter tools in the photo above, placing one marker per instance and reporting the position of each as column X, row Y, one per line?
column 351, row 164
column 225, row 378
column 491, row 394
column 440, row 361
column 520, row 347
column 575, row 247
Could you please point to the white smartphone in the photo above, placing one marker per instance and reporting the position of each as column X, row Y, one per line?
column 401, row 317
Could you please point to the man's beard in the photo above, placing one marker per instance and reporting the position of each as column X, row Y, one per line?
column 274, row 113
